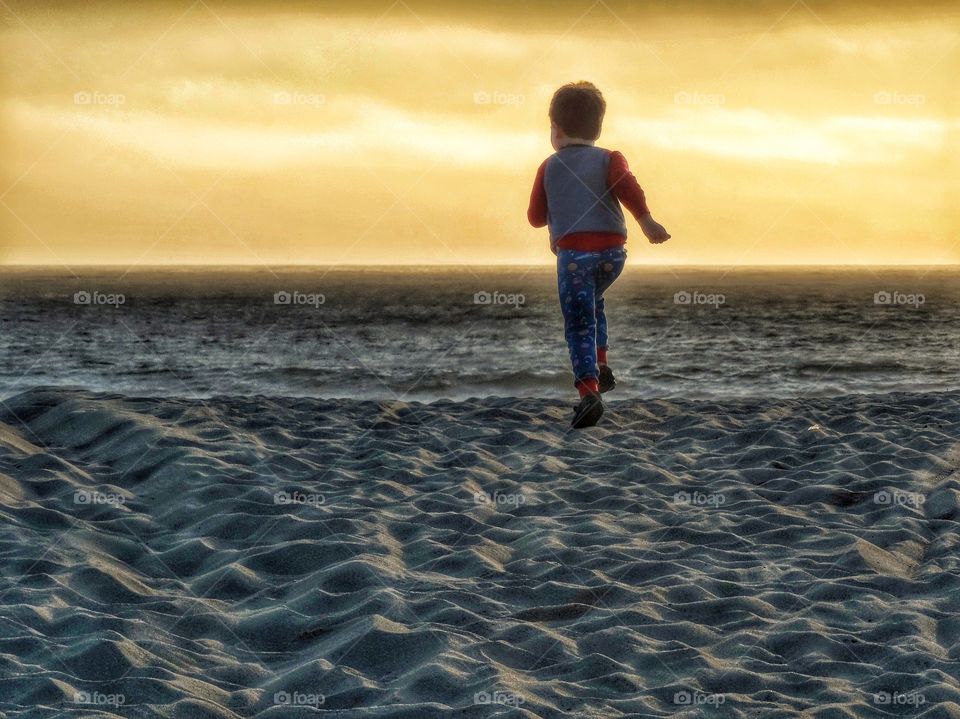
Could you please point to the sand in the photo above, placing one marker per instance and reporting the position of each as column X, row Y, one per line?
column 278, row 557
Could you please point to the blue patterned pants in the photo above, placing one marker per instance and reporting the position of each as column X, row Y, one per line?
column 582, row 278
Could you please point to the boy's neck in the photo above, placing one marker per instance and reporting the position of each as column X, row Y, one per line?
column 567, row 141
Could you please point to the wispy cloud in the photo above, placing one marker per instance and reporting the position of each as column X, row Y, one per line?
column 298, row 108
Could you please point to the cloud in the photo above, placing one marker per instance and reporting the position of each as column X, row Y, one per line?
column 299, row 105
column 361, row 129
column 754, row 135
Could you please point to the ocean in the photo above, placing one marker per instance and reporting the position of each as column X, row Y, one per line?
column 430, row 333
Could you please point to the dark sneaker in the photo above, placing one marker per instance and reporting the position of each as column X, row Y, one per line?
column 588, row 412
column 606, row 378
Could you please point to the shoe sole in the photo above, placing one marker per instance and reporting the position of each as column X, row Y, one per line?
column 588, row 416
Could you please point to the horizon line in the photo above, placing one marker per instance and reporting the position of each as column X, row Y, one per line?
column 269, row 266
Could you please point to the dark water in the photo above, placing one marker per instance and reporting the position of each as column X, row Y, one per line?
column 420, row 334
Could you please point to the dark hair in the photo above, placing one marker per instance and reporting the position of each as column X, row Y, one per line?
column 578, row 109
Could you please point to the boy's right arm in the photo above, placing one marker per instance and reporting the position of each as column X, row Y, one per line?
column 537, row 210
column 627, row 190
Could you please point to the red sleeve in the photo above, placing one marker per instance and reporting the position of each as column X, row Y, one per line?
column 625, row 187
column 537, row 211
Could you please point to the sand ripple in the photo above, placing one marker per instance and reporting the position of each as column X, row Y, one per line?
column 275, row 557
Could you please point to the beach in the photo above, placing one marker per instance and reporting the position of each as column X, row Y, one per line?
column 270, row 556
column 300, row 301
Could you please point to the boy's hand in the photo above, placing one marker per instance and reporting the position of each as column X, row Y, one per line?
column 654, row 231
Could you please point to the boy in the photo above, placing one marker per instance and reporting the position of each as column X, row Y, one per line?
column 578, row 192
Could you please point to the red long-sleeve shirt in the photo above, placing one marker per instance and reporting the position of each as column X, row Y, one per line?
column 620, row 182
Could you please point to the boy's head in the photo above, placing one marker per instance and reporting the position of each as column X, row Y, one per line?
column 577, row 110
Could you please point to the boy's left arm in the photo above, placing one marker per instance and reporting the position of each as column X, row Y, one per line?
column 537, row 210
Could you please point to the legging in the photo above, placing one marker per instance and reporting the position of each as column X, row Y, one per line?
column 582, row 278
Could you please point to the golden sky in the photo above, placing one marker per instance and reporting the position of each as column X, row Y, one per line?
column 402, row 132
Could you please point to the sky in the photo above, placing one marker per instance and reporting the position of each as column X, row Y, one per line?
column 403, row 132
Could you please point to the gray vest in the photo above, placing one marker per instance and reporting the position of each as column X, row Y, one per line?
column 578, row 199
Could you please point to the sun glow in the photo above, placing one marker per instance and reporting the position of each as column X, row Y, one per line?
column 263, row 134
